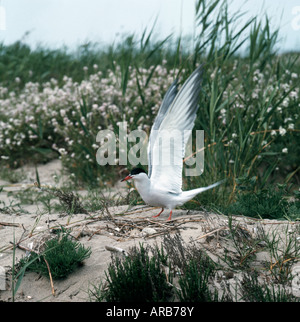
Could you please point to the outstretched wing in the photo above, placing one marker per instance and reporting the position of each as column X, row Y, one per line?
column 166, row 103
column 169, row 133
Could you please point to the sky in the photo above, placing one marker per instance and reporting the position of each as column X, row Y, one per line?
column 55, row 23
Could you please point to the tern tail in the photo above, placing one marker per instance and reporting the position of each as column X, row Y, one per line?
column 190, row 194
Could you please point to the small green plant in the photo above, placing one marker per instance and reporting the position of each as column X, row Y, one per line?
column 180, row 254
column 136, row 278
column 194, row 284
column 244, row 244
column 284, row 251
column 69, row 200
column 13, row 176
column 62, row 254
column 197, row 271
column 255, row 291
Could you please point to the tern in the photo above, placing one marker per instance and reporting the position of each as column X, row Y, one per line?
column 162, row 186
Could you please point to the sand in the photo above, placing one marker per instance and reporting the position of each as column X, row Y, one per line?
column 121, row 228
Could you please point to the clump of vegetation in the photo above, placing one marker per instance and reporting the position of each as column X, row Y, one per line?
column 268, row 203
column 136, row 278
column 255, row 291
column 194, row 284
column 62, row 254
column 69, row 200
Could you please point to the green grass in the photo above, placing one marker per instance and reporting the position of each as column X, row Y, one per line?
column 268, row 203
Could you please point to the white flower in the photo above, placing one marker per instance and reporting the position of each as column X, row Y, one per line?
column 294, row 75
column 285, row 102
column 291, row 126
column 62, row 113
column 293, row 94
column 282, row 131
column 284, row 150
column 273, row 133
column 287, row 119
column 62, row 151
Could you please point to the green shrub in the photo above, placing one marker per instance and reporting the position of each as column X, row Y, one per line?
column 194, row 284
column 254, row 291
column 62, row 254
column 137, row 278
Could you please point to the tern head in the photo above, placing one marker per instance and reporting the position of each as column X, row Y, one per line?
column 136, row 174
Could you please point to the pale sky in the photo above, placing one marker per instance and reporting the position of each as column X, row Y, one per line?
column 73, row 22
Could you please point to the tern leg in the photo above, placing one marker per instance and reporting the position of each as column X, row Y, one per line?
column 162, row 209
column 170, row 216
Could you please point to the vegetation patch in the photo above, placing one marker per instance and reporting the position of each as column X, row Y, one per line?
column 60, row 257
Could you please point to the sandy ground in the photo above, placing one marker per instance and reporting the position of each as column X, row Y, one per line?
column 97, row 230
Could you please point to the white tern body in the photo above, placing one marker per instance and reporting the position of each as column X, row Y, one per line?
column 162, row 186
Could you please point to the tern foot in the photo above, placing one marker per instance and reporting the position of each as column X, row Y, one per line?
column 170, row 216
column 159, row 213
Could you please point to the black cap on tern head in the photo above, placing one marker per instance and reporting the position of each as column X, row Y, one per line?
column 137, row 171
column 134, row 172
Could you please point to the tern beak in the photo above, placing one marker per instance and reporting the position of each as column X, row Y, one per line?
column 126, row 178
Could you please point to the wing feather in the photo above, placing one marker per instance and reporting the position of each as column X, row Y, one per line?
column 166, row 103
column 168, row 136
